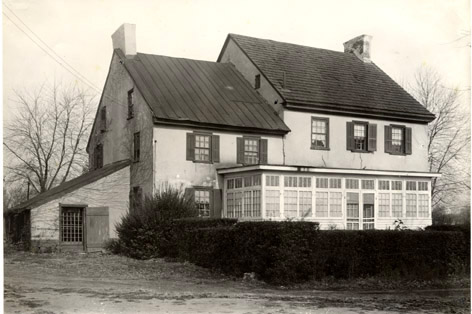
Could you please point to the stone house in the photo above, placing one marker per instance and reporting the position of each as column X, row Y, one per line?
column 271, row 130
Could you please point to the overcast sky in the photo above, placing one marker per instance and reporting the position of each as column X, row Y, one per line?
column 406, row 34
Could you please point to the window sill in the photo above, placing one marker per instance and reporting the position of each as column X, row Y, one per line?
column 202, row 162
column 397, row 154
column 361, row 151
column 319, row 148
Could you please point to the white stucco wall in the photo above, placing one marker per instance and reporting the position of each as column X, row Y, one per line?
column 111, row 191
column 298, row 145
column 172, row 167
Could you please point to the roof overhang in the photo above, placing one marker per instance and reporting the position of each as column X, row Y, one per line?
column 344, row 110
column 322, row 170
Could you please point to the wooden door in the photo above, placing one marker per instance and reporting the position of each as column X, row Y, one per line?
column 97, row 228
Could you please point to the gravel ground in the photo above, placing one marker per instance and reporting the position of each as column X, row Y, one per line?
column 101, row 283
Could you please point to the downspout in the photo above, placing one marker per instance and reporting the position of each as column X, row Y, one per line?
column 154, row 167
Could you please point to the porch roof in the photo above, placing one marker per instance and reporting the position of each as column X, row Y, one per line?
column 326, row 170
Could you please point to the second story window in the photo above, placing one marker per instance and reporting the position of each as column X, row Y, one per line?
column 361, row 136
column 397, row 140
column 137, row 147
column 103, row 119
column 203, row 147
column 257, row 81
column 131, row 103
column 319, row 133
column 251, row 151
column 98, row 157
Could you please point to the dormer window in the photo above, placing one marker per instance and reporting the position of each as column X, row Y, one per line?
column 131, row 103
column 257, row 81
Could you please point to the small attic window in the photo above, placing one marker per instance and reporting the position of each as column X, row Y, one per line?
column 130, row 103
column 257, row 81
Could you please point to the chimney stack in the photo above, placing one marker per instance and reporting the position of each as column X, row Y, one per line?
column 359, row 46
column 124, row 38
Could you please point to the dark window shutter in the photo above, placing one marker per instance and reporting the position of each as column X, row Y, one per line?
column 190, row 146
column 215, row 148
column 103, row 116
column 263, row 151
column 408, row 148
column 327, row 133
column 216, row 204
column 388, row 139
column 350, row 135
column 240, row 150
column 190, row 194
column 372, row 137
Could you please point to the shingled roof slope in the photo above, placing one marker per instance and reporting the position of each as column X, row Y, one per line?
column 202, row 92
column 337, row 80
column 72, row 185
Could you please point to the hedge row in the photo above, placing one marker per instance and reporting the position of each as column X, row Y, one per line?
column 291, row 252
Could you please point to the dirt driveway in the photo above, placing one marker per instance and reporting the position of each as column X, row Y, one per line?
column 96, row 283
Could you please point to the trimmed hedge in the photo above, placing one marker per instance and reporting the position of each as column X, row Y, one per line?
column 291, row 252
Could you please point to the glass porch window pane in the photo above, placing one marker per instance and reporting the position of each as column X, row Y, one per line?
column 290, row 204
column 256, row 203
column 384, row 205
column 335, row 207
column 411, row 205
column 423, row 208
column 305, row 201
column 230, row 205
column 238, row 204
column 272, row 203
column 321, row 208
column 397, row 205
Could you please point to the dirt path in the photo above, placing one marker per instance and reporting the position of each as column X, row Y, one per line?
column 111, row 284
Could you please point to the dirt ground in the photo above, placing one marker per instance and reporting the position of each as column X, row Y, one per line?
column 100, row 283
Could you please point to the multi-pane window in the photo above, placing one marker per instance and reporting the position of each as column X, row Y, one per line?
column 396, row 185
column 360, row 137
column 352, row 184
column 72, row 225
column 103, row 119
column 230, row 205
column 130, row 103
column 384, row 204
column 304, row 182
column 272, row 203
column 238, row 204
column 247, row 181
column 238, row 183
column 247, row 210
column 272, row 180
column 202, row 200
column 410, row 205
column 367, row 184
column 98, row 156
column 335, row 183
column 256, row 203
column 305, row 203
column 411, row 185
column 322, row 183
column 397, row 205
column 230, row 184
column 290, row 181
column 251, row 151
column 422, row 186
column 319, row 133
column 397, row 140
column 423, row 205
column 137, row 146
column 290, row 204
column 202, row 147
column 335, row 204
column 384, row 185
column 256, row 180
column 321, row 208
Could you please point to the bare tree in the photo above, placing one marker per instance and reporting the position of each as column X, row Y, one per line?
column 45, row 141
column 449, row 136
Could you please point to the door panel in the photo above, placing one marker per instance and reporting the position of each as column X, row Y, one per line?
column 368, row 211
column 352, row 210
column 97, row 228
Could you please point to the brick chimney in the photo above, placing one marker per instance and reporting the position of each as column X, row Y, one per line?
column 359, row 46
column 124, row 38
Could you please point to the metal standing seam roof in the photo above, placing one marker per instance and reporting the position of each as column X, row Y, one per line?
column 201, row 92
column 336, row 80
column 71, row 185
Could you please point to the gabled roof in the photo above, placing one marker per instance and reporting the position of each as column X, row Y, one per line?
column 329, row 80
column 201, row 93
column 71, row 185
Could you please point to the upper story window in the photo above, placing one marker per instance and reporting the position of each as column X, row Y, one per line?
column 257, row 81
column 98, row 157
column 103, row 119
column 251, row 151
column 137, row 147
column 203, row 147
column 361, row 136
column 131, row 103
column 397, row 140
column 319, row 133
